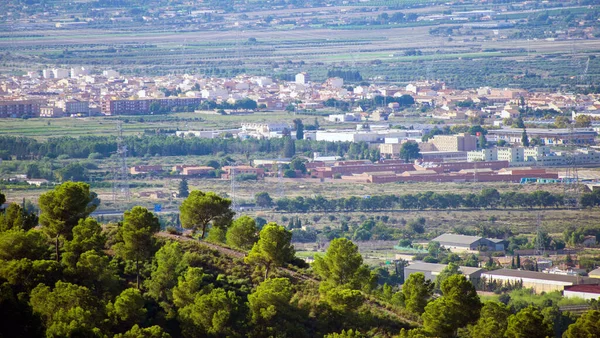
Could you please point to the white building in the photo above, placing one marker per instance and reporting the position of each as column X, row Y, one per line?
column 346, row 136
column 47, row 74
column 215, row 93
column 532, row 156
column 266, row 130
column 432, row 270
column 302, row 78
column 348, row 117
column 78, row 71
column 538, row 281
column 110, row 73
column 335, row 82
column 60, row 73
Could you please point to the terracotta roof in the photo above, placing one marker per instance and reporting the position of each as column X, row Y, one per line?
column 589, row 288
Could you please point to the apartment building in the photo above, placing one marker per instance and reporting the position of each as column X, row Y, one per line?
column 77, row 107
column 132, row 107
column 21, row 108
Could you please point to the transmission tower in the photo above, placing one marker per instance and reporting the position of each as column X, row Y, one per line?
column 280, row 187
column 232, row 178
column 571, row 179
column 539, row 246
column 121, row 174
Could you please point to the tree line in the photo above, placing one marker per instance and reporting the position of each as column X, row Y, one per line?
column 24, row 148
column 488, row 198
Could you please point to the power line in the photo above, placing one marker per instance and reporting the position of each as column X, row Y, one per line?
column 121, row 191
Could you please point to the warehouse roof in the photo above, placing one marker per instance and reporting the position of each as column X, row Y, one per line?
column 589, row 288
column 594, row 273
column 437, row 268
column 456, row 239
column 535, row 275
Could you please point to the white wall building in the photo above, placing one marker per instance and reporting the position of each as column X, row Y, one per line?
column 60, row 73
column 302, row 78
column 110, row 73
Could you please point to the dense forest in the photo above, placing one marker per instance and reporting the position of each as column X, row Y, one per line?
column 67, row 275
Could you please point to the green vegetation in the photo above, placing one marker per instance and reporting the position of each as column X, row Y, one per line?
column 125, row 280
column 487, row 198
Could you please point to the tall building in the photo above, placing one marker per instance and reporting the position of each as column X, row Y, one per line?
column 302, row 78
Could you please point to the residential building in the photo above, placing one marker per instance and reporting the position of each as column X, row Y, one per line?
column 75, row 107
column 20, row 108
column 59, row 73
column 432, row 270
column 110, row 73
column 120, row 107
column 538, row 281
column 79, row 71
column 302, row 78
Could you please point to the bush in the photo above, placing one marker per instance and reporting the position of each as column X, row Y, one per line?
column 173, row 230
column 289, row 173
column 95, row 156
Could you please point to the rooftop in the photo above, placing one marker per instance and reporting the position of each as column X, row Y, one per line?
column 437, row 268
column 539, row 131
column 535, row 275
column 595, row 272
column 456, row 239
column 589, row 288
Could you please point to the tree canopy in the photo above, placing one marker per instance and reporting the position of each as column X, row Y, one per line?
column 199, row 209
column 274, row 248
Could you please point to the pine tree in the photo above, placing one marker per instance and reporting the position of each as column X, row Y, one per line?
column 518, row 261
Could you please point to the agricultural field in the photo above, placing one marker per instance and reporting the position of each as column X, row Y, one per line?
column 362, row 38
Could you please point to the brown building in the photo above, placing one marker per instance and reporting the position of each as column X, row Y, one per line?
column 196, row 171
column 461, row 142
column 433, row 176
column 133, row 107
column 21, row 108
column 340, row 169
